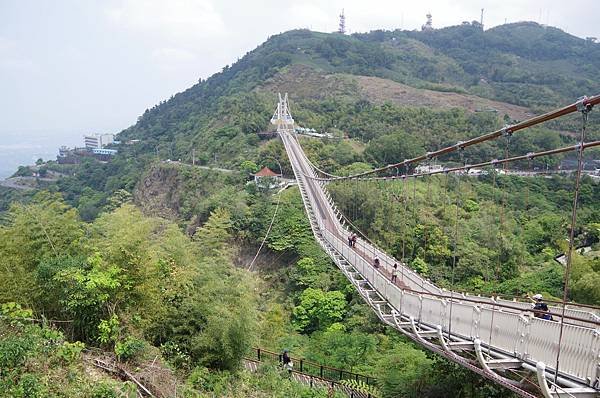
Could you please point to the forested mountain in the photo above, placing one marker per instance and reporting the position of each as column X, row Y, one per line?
column 148, row 258
column 525, row 64
column 435, row 86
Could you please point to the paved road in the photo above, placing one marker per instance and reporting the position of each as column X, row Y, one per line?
column 24, row 183
column 200, row 167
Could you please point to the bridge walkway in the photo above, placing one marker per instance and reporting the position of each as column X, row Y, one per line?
column 497, row 340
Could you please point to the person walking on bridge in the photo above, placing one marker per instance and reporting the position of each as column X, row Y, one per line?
column 395, row 273
column 353, row 240
column 350, row 242
column 540, row 309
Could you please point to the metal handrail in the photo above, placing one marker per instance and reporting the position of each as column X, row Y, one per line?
column 303, row 363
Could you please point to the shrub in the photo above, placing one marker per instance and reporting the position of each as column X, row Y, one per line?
column 129, row 349
column 175, row 354
column 108, row 330
column 14, row 350
column 103, row 390
column 14, row 310
column 30, row 387
column 69, row 352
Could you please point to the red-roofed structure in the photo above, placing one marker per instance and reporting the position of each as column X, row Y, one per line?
column 266, row 172
column 267, row 178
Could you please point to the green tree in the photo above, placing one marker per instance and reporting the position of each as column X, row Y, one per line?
column 318, row 309
column 404, row 372
column 248, row 167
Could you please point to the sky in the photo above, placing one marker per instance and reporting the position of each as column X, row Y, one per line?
column 95, row 65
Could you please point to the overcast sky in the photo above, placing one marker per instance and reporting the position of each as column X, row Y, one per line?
column 94, row 66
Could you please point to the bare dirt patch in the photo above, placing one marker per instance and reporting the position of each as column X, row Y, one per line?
column 302, row 81
column 379, row 90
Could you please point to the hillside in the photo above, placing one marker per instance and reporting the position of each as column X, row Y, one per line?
column 308, row 83
column 518, row 64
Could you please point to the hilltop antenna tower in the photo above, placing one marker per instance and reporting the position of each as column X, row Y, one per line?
column 429, row 24
column 282, row 117
column 342, row 25
column 481, row 22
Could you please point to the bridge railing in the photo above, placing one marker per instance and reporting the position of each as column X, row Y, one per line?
column 418, row 282
column 308, row 367
column 512, row 333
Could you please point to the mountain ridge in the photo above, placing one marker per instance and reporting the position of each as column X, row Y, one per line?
column 446, row 59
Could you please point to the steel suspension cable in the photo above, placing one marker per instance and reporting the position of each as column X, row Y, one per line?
column 574, row 107
column 500, row 227
column 267, row 233
column 414, row 214
column 494, row 162
column 405, row 211
column 494, row 297
column 425, row 228
column 585, row 110
column 454, row 249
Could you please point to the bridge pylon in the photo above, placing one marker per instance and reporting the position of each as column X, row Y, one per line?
column 282, row 117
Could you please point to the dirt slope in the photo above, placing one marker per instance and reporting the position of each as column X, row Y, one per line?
column 303, row 81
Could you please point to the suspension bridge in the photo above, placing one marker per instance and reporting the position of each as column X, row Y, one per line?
column 494, row 337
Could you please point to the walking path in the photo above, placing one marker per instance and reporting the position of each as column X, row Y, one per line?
column 252, row 365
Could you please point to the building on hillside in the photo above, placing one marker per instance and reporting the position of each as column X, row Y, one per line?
column 104, row 154
column 98, row 140
column 71, row 155
column 428, row 168
column 267, row 178
column 76, row 155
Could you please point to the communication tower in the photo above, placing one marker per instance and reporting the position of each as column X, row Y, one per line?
column 481, row 22
column 429, row 24
column 342, row 26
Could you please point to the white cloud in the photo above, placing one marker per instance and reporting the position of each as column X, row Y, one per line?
column 174, row 58
column 173, row 19
column 6, row 44
column 10, row 59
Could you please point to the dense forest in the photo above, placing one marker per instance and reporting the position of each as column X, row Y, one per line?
column 146, row 260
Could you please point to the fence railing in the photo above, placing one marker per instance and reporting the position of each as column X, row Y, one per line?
column 312, row 368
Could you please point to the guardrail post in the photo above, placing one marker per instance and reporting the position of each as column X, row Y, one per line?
column 311, row 381
column 301, row 364
column 258, row 354
column 321, row 371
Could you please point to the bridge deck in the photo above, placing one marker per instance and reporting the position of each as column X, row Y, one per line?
column 499, row 334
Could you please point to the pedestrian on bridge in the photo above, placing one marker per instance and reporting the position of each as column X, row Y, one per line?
column 350, row 242
column 540, row 309
column 353, row 240
column 286, row 361
column 395, row 273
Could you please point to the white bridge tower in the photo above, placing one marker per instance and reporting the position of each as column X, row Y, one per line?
column 282, row 117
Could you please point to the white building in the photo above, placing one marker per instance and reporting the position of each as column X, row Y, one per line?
column 98, row 140
column 108, row 152
column 428, row 168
